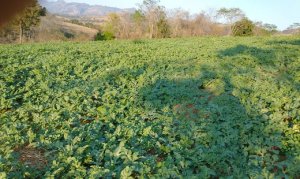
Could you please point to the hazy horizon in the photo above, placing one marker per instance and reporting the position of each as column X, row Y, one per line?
column 278, row 12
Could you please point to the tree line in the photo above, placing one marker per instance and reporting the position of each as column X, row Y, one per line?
column 152, row 20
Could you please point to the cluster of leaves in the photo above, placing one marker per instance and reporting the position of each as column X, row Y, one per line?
column 243, row 27
column 158, row 108
column 104, row 36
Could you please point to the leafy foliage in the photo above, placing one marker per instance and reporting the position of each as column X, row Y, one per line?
column 22, row 25
column 155, row 109
column 264, row 28
column 243, row 27
column 29, row 18
column 231, row 14
column 163, row 27
column 156, row 18
column 104, row 36
column 111, row 27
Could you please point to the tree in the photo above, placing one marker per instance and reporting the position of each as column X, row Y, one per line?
column 10, row 8
column 264, row 28
column 155, row 16
column 149, row 9
column 231, row 15
column 138, row 21
column 43, row 12
column 294, row 26
column 8, row 33
column 138, row 17
column 111, row 27
column 180, row 23
column 271, row 28
column 163, row 28
column 22, row 25
column 29, row 18
column 202, row 24
column 244, row 27
column 126, row 26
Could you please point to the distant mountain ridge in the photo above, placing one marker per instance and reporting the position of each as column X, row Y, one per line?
column 74, row 9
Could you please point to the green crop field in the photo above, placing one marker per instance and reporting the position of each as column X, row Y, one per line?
column 174, row 108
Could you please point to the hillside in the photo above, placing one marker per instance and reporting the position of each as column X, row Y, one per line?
column 213, row 107
column 53, row 28
column 73, row 9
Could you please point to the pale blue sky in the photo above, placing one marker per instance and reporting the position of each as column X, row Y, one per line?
column 279, row 12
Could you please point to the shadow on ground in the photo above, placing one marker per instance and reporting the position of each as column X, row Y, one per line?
column 284, row 42
column 278, row 62
column 223, row 122
column 212, row 133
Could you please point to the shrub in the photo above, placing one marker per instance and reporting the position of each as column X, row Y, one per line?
column 104, row 36
column 99, row 36
column 69, row 35
column 109, row 35
column 244, row 27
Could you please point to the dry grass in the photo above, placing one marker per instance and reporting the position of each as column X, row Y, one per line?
column 52, row 28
